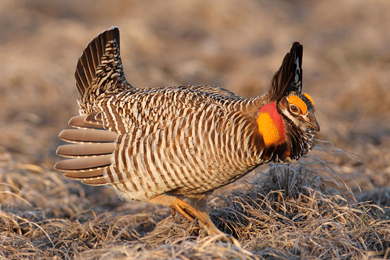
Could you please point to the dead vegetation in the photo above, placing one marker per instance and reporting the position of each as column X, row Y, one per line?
column 331, row 205
column 290, row 212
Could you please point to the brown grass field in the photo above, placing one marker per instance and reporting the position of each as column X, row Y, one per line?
column 333, row 204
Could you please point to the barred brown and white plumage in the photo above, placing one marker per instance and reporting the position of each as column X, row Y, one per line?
column 161, row 145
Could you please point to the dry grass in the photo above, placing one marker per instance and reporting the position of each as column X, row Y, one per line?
column 289, row 212
column 331, row 205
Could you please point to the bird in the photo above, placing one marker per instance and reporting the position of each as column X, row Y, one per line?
column 174, row 146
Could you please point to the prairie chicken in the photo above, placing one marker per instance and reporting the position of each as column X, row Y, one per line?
column 164, row 145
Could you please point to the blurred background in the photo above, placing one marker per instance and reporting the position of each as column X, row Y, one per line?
column 237, row 45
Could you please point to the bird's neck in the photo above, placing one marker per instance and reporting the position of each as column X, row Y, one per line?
column 271, row 125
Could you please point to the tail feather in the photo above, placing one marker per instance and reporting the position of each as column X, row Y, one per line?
column 92, row 58
column 99, row 68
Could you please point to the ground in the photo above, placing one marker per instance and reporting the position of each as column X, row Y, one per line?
column 333, row 204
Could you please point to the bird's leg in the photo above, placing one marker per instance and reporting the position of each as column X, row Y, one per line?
column 181, row 207
column 199, row 203
column 196, row 209
column 176, row 205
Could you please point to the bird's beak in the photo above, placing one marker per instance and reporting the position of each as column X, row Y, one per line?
column 313, row 124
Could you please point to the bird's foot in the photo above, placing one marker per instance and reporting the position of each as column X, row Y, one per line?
column 182, row 207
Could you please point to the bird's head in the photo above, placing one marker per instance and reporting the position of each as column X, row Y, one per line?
column 299, row 109
column 288, row 117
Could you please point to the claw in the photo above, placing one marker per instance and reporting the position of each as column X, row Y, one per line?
column 197, row 209
column 181, row 207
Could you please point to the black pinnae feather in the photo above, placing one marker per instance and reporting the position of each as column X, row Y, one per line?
column 289, row 76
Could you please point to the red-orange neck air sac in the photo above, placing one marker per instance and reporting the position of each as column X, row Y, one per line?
column 271, row 125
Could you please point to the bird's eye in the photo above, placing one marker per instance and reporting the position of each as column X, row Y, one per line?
column 294, row 108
